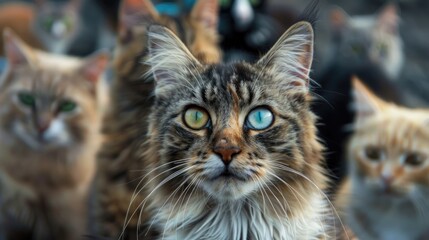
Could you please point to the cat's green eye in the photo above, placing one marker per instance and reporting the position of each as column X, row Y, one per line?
column 67, row 106
column 414, row 159
column 374, row 154
column 48, row 22
column 259, row 118
column 357, row 48
column 196, row 118
column 254, row 2
column 27, row 99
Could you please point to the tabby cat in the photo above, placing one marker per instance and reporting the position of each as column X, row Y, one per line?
column 373, row 38
column 385, row 195
column 48, row 140
column 131, row 94
column 232, row 150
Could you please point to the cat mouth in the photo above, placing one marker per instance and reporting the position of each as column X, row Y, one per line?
column 227, row 174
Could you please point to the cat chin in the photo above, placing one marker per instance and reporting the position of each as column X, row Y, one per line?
column 227, row 189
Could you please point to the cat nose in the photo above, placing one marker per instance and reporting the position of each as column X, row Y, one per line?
column 42, row 127
column 387, row 180
column 226, row 151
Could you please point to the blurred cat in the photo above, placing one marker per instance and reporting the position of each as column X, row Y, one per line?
column 231, row 151
column 49, row 127
column 373, row 38
column 385, row 195
column 118, row 162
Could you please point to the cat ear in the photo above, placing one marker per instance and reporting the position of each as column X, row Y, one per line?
column 366, row 103
column 133, row 13
column 290, row 58
column 169, row 59
column 94, row 66
column 338, row 18
column 388, row 19
column 206, row 12
column 14, row 48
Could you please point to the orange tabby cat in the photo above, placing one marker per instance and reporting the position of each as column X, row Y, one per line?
column 48, row 140
column 385, row 195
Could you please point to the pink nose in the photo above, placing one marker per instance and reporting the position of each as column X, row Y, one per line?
column 226, row 150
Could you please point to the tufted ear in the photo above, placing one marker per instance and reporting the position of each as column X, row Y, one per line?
column 206, row 12
column 366, row 103
column 170, row 61
column 14, row 48
column 388, row 19
column 291, row 57
column 94, row 66
column 133, row 13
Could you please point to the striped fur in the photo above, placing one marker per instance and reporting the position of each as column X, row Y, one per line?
column 45, row 175
column 277, row 191
column 126, row 122
column 386, row 198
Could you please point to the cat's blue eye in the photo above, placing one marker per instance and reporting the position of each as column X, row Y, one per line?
column 27, row 99
column 260, row 118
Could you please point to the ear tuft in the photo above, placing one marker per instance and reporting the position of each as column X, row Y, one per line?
column 14, row 48
column 94, row 66
column 170, row 61
column 291, row 57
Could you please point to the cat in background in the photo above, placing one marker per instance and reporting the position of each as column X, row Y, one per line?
column 232, row 151
column 373, row 38
column 118, row 158
column 49, row 135
column 385, row 194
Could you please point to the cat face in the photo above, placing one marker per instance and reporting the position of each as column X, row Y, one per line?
column 389, row 151
column 197, row 29
column 56, row 24
column 232, row 130
column 366, row 38
column 48, row 102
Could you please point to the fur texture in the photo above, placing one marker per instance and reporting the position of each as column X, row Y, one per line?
column 119, row 161
column 47, row 146
column 228, row 180
column 385, row 195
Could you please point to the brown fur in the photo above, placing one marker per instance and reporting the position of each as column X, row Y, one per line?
column 398, row 131
column 44, row 187
column 120, row 166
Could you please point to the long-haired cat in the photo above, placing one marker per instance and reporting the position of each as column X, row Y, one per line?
column 373, row 38
column 118, row 161
column 48, row 140
column 386, row 194
column 48, row 24
column 231, row 151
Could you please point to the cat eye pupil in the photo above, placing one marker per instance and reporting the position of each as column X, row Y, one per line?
column 26, row 99
column 259, row 119
column 414, row 159
column 196, row 118
column 373, row 153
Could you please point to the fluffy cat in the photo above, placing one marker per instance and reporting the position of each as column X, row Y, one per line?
column 373, row 38
column 118, row 161
column 48, row 140
column 385, row 195
column 232, row 150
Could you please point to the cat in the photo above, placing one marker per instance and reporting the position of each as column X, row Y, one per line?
column 231, row 151
column 49, row 135
column 130, row 92
column 373, row 38
column 385, row 194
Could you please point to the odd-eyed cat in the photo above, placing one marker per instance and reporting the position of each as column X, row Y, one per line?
column 231, row 151
column 118, row 161
column 385, row 195
column 49, row 127
column 373, row 38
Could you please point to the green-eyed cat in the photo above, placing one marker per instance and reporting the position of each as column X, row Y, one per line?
column 118, row 161
column 49, row 135
column 231, row 151
column 385, row 195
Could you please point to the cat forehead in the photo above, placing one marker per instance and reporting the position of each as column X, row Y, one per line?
column 224, row 74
